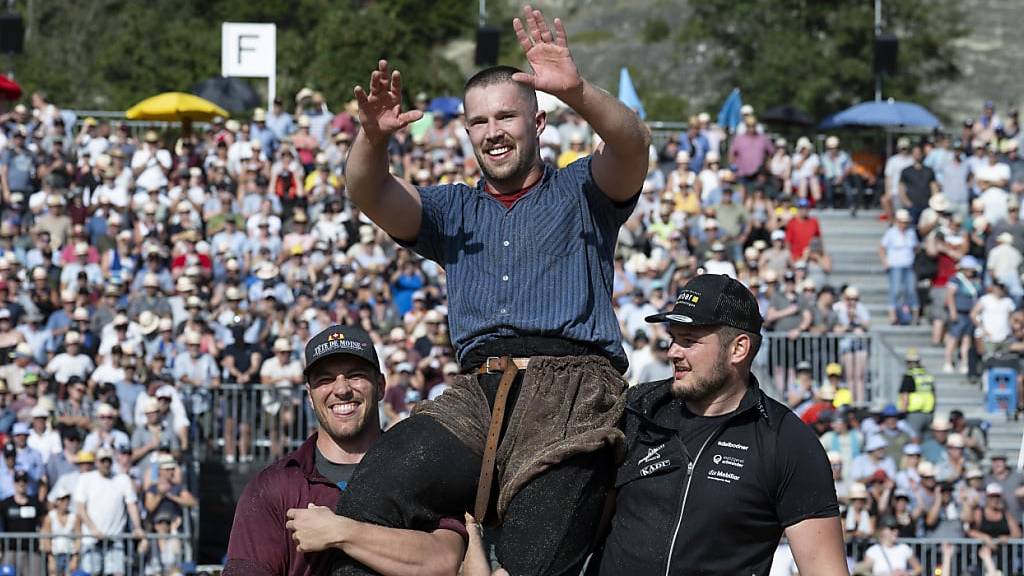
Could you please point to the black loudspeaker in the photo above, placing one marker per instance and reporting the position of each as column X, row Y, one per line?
column 487, row 39
column 12, row 34
column 886, row 50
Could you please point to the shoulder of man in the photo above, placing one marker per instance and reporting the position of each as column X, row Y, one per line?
column 645, row 394
column 641, row 401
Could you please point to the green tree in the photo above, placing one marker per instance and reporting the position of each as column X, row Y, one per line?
column 818, row 55
column 112, row 53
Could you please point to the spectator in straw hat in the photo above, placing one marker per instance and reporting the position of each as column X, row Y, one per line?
column 42, row 437
column 1003, row 264
column 284, row 373
column 71, row 362
column 194, row 367
column 858, row 523
column 151, row 163
column 105, row 501
column 104, row 433
column 953, row 465
column 148, row 437
column 897, row 251
column 22, row 362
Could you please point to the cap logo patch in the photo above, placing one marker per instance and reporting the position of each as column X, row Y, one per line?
column 335, row 336
column 338, row 344
column 688, row 297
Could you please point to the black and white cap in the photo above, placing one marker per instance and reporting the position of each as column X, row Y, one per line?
column 714, row 300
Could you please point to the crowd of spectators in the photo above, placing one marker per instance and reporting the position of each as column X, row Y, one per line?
column 156, row 292
column 954, row 252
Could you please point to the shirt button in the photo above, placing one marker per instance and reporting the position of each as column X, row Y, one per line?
column 505, row 278
column 505, row 243
column 503, row 310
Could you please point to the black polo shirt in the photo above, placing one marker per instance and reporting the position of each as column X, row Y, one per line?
column 918, row 181
column 750, row 475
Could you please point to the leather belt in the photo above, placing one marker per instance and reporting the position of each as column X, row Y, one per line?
column 499, row 364
column 510, row 367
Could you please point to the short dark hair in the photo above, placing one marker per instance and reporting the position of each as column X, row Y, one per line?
column 500, row 75
column 726, row 335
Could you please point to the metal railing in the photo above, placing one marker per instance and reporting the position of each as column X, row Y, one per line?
column 248, row 422
column 871, row 368
column 47, row 554
column 962, row 555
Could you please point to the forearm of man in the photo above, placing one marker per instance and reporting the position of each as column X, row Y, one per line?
column 817, row 545
column 398, row 552
column 391, row 203
column 620, row 166
column 133, row 513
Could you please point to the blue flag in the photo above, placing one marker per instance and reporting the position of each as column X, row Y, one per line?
column 729, row 115
column 627, row 93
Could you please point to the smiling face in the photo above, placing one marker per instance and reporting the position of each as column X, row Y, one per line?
column 344, row 392
column 504, row 126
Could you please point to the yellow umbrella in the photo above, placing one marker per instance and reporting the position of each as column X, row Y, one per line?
column 174, row 106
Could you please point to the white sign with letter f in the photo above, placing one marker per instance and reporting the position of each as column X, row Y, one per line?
column 250, row 51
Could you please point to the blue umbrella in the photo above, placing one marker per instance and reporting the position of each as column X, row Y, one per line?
column 447, row 105
column 884, row 113
column 628, row 95
column 729, row 115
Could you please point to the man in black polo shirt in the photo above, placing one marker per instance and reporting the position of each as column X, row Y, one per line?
column 917, row 184
column 715, row 470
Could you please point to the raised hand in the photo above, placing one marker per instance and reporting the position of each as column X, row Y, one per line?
column 380, row 111
column 554, row 70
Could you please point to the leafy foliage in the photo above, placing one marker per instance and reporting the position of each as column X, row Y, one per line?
column 113, row 53
column 818, row 55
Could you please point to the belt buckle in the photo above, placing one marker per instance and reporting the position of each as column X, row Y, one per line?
column 487, row 364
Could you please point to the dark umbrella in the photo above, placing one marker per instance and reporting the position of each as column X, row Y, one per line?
column 9, row 89
column 232, row 94
column 787, row 114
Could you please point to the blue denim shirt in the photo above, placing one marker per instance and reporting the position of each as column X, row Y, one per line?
column 540, row 268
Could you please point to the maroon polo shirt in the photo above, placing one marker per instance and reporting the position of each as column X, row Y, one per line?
column 260, row 545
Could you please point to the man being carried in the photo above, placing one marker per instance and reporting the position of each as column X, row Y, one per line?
column 528, row 256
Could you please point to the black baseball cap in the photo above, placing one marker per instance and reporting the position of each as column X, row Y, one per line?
column 340, row 339
column 714, row 300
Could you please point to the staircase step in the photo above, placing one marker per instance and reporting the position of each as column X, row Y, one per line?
column 852, row 243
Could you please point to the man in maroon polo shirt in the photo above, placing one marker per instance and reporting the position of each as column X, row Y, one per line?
column 284, row 522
